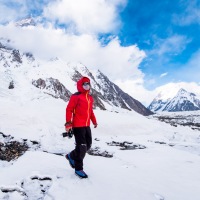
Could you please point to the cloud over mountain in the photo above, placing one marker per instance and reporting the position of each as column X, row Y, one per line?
column 85, row 16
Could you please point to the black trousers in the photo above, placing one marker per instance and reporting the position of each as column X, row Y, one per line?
column 83, row 138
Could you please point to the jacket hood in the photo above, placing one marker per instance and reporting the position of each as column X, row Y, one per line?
column 80, row 84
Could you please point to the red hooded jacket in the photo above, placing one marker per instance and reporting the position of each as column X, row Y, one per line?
column 79, row 110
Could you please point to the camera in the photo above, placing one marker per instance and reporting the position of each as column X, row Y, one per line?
column 68, row 134
column 65, row 134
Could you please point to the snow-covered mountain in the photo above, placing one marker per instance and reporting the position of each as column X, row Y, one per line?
column 182, row 101
column 26, row 22
column 57, row 78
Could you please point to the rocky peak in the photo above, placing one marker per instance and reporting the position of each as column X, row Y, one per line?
column 182, row 101
column 53, row 87
column 16, row 57
column 26, row 22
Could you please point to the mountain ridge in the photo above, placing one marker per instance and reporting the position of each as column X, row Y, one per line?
column 182, row 101
column 58, row 78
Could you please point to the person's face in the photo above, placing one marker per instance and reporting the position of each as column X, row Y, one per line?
column 86, row 85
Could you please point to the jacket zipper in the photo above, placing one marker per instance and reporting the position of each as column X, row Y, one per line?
column 88, row 108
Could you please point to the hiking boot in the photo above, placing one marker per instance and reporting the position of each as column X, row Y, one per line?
column 81, row 174
column 71, row 161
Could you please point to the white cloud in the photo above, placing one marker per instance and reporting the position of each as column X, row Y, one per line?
column 191, row 15
column 112, row 59
column 13, row 10
column 172, row 88
column 173, row 45
column 136, row 89
column 86, row 16
column 164, row 74
column 8, row 13
column 191, row 70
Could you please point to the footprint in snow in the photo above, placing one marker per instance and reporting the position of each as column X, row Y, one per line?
column 31, row 188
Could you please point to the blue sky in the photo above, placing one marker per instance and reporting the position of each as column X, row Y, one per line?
column 168, row 31
column 149, row 43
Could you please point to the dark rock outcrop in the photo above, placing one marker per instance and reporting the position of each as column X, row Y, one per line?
column 53, row 87
column 11, row 150
column 11, row 85
column 16, row 56
column 126, row 145
column 182, row 120
column 96, row 151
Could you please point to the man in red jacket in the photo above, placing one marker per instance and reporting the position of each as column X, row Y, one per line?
column 79, row 112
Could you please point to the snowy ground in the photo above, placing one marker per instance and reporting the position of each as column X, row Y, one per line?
column 168, row 168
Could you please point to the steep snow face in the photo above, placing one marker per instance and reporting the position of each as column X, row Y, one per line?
column 182, row 101
column 23, row 73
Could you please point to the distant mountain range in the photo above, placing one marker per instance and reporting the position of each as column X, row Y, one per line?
column 182, row 101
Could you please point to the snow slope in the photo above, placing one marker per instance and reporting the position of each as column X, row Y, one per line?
column 160, row 171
